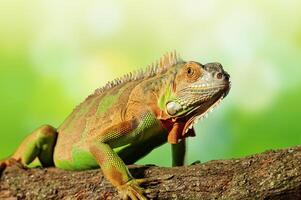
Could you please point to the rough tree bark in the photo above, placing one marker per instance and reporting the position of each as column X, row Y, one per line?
column 270, row 175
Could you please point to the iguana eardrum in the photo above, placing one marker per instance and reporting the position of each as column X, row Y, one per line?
column 129, row 117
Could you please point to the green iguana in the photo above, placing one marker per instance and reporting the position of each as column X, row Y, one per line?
column 129, row 117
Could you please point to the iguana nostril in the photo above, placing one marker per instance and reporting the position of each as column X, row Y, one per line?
column 227, row 77
column 219, row 75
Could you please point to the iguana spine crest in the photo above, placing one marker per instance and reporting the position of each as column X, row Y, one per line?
column 160, row 66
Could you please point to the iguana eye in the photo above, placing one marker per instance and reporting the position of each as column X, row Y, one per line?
column 190, row 71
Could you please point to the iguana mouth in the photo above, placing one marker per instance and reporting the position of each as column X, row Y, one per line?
column 202, row 111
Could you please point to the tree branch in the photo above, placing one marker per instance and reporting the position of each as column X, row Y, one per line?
column 269, row 175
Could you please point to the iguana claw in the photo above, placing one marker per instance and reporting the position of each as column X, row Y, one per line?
column 132, row 190
column 9, row 162
column 2, row 166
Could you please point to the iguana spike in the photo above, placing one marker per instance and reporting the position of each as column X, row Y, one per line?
column 175, row 54
column 159, row 66
column 168, row 60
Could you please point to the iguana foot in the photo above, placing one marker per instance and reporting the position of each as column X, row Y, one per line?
column 2, row 166
column 132, row 190
column 8, row 162
column 196, row 162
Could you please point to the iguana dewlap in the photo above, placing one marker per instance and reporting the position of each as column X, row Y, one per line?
column 129, row 117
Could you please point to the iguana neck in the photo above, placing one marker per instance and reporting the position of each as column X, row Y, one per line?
column 159, row 90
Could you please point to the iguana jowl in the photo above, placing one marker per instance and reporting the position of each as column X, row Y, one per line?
column 128, row 118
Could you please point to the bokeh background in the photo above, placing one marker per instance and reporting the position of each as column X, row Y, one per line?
column 54, row 53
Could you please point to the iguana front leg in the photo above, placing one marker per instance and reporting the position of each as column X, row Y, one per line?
column 116, row 171
column 178, row 150
column 112, row 166
column 178, row 153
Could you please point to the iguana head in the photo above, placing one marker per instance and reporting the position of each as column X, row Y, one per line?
column 195, row 90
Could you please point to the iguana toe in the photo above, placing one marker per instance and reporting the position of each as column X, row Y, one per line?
column 132, row 190
column 2, row 166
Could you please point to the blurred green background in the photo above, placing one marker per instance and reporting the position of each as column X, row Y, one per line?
column 55, row 53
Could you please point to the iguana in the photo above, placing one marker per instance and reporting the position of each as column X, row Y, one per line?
column 129, row 117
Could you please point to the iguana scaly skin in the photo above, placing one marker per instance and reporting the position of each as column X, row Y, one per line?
column 128, row 118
